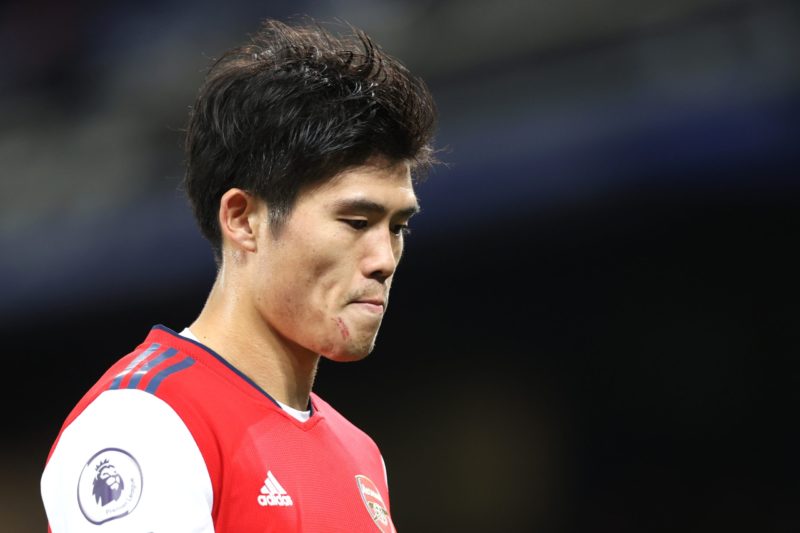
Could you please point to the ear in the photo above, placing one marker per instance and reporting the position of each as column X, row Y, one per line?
column 239, row 217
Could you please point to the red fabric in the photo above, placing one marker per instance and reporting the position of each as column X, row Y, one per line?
column 242, row 434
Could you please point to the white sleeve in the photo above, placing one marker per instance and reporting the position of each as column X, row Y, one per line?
column 128, row 463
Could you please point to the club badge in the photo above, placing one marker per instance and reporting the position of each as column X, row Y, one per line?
column 110, row 486
column 374, row 502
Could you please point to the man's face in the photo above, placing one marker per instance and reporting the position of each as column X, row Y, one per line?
column 323, row 281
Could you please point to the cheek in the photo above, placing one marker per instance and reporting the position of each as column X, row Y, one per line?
column 300, row 294
column 315, row 282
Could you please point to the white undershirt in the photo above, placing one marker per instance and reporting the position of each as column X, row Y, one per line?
column 302, row 416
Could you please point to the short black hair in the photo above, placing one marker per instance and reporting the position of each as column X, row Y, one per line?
column 295, row 106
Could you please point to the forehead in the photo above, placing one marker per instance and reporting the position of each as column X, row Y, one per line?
column 387, row 184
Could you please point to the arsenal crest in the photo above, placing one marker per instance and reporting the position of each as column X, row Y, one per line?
column 374, row 503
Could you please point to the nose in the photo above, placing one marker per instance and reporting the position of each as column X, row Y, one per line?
column 381, row 256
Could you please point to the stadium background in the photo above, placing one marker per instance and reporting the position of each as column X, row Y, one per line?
column 595, row 325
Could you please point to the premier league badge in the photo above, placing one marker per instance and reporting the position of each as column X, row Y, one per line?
column 110, row 486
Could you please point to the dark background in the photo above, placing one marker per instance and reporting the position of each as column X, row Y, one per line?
column 595, row 324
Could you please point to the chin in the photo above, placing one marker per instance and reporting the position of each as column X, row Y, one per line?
column 349, row 352
column 346, row 358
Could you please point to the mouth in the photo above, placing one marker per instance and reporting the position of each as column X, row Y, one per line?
column 371, row 305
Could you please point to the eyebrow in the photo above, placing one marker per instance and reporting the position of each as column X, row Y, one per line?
column 361, row 205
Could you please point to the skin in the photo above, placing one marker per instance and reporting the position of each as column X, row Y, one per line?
column 319, row 287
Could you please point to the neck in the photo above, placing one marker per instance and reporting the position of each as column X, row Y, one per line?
column 239, row 334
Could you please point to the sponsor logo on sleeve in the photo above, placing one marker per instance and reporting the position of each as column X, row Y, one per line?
column 374, row 502
column 110, row 486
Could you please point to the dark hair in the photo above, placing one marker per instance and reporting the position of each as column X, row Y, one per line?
column 295, row 106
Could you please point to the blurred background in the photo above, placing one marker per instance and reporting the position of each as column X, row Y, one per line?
column 595, row 327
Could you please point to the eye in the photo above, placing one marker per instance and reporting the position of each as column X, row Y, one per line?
column 401, row 229
column 356, row 223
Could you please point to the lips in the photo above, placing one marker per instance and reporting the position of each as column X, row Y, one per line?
column 373, row 301
column 373, row 305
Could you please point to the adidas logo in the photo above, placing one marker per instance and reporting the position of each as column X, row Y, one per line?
column 272, row 494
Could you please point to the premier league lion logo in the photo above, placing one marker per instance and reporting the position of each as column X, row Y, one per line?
column 108, row 484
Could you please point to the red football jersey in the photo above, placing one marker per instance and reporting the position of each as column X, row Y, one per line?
column 174, row 439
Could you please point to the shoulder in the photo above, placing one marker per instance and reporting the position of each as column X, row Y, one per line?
column 123, row 452
column 146, row 368
column 181, row 373
column 164, row 358
column 127, row 417
column 166, row 380
column 131, row 426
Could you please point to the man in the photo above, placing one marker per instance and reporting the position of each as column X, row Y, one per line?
column 300, row 149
